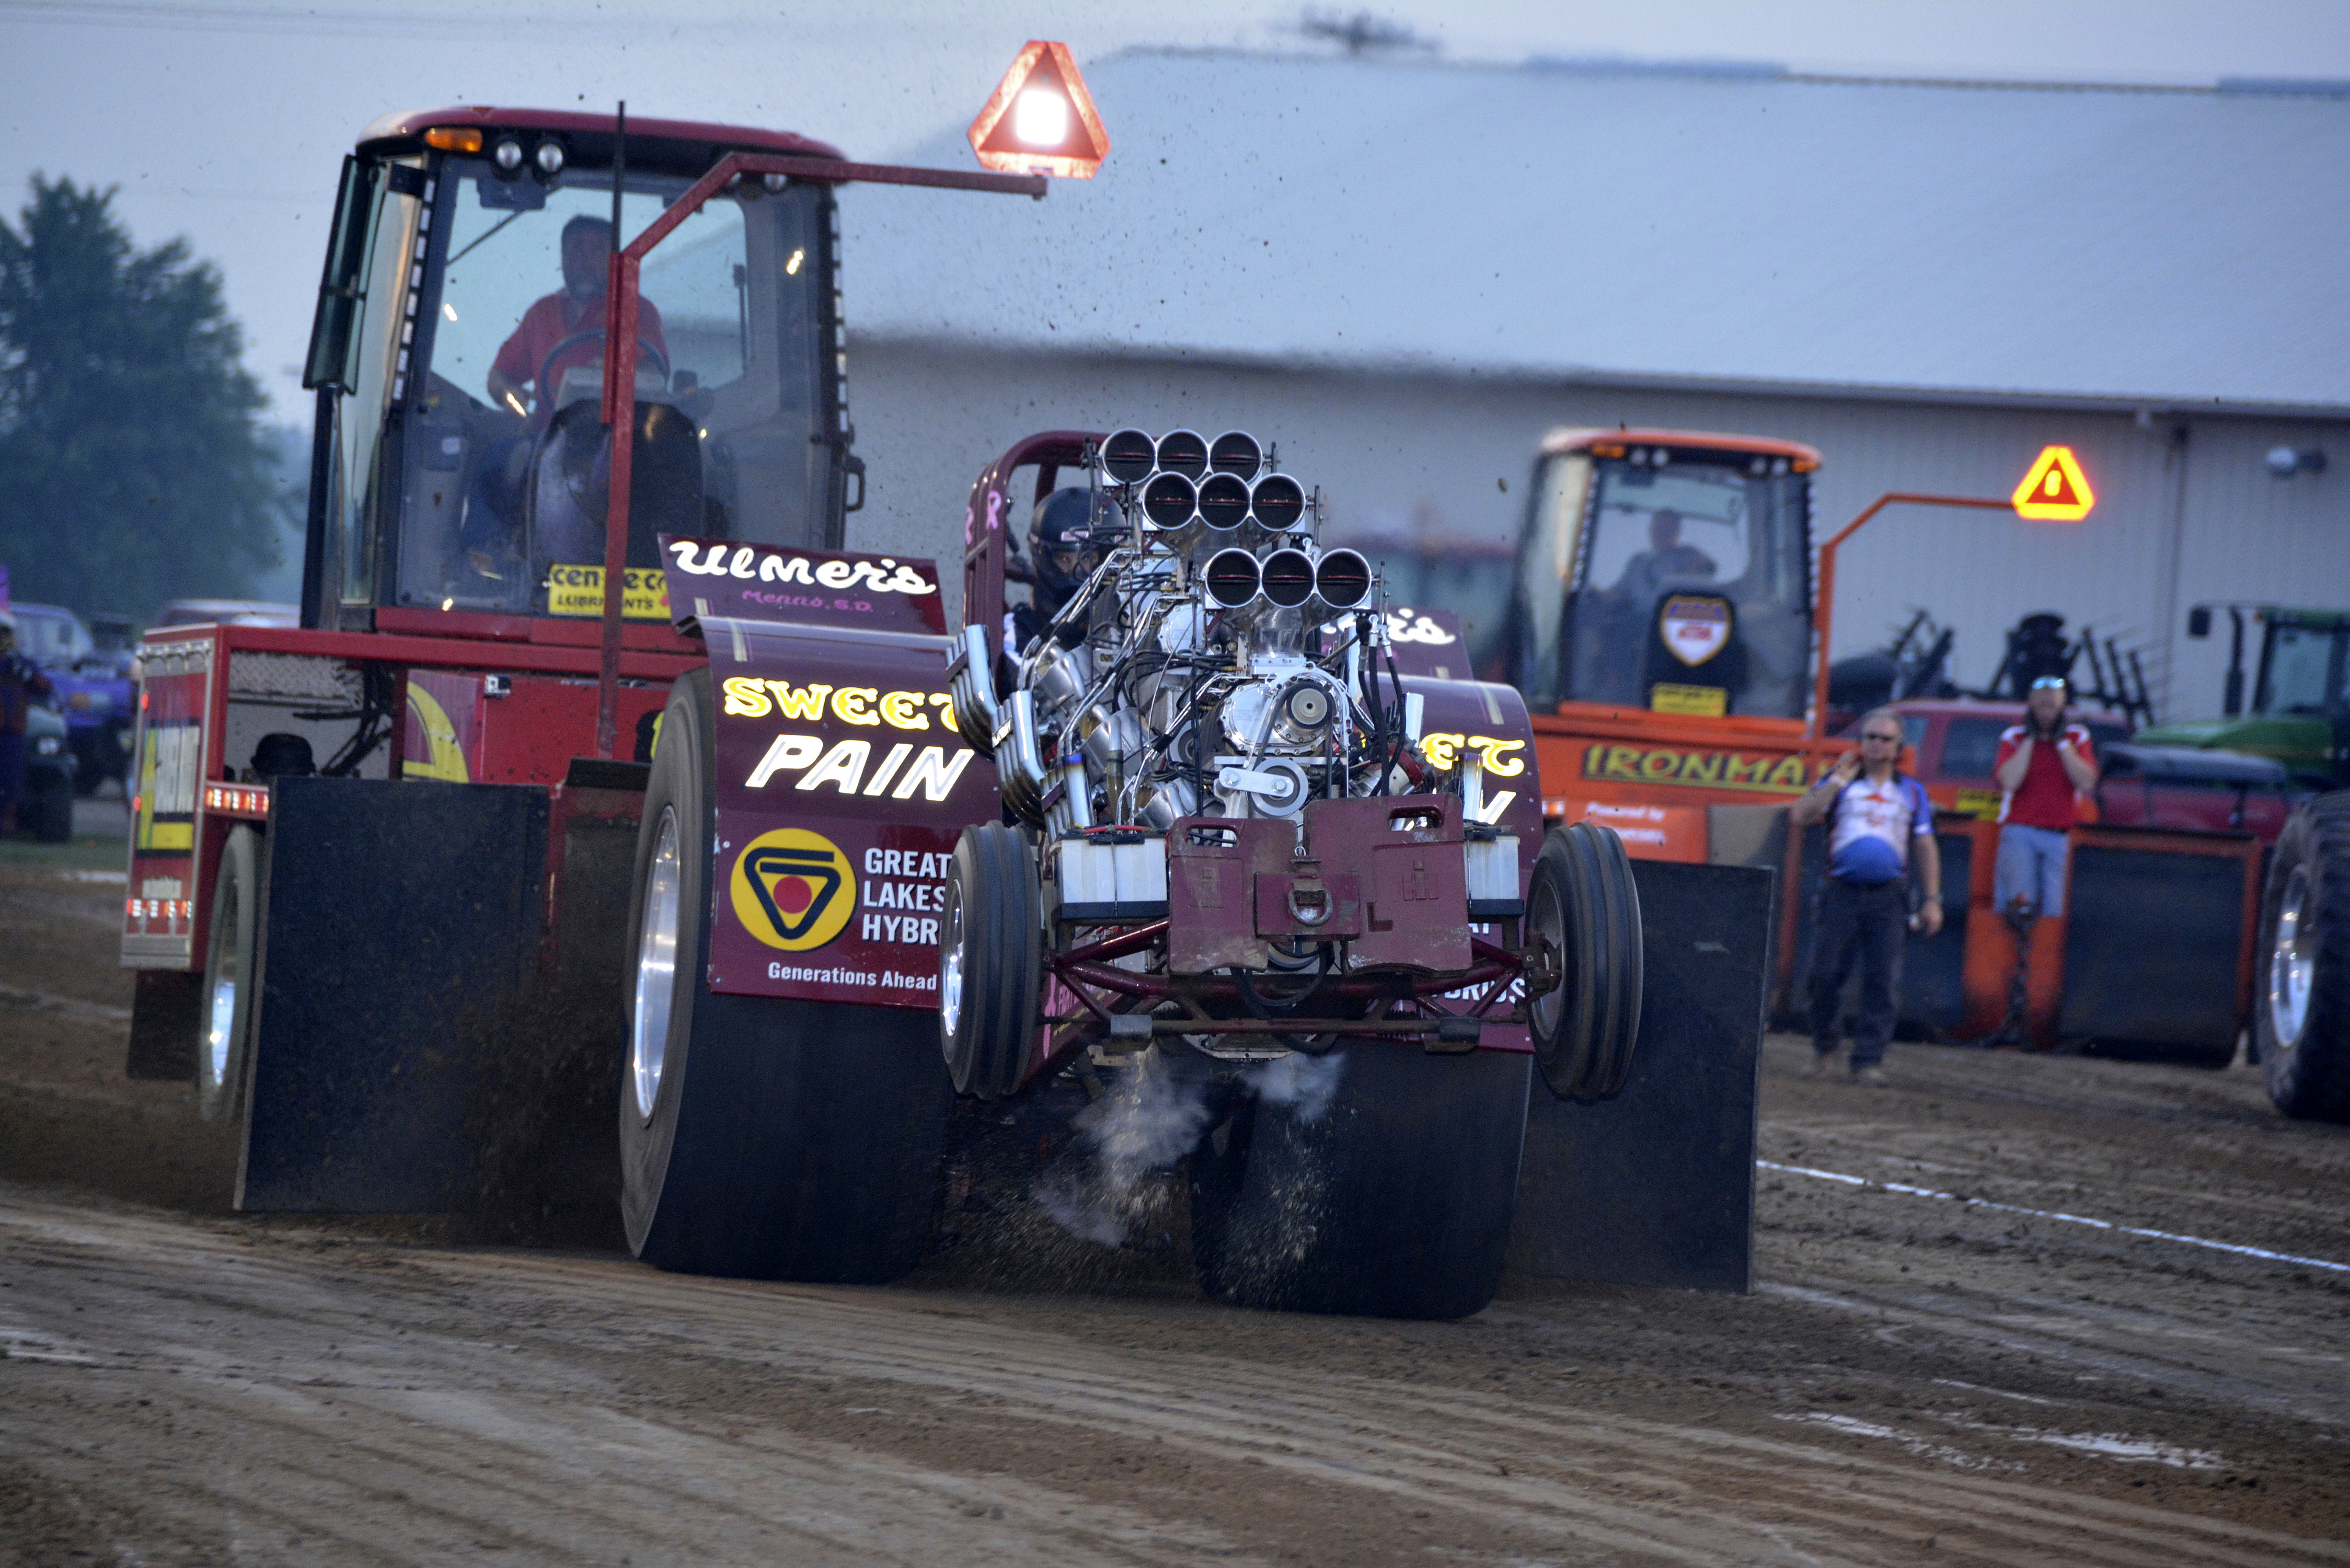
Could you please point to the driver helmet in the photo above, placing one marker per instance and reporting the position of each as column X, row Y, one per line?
column 1059, row 545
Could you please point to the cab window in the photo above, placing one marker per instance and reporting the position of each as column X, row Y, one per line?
column 508, row 459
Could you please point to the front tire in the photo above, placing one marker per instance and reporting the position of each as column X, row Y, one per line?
column 1585, row 907
column 760, row 1137
column 2301, row 1001
column 1393, row 1201
column 225, row 1019
column 990, row 958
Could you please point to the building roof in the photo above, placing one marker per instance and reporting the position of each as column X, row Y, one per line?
column 2163, row 247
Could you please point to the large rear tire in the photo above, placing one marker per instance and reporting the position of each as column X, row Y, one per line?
column 990, row 960
column 224, row 1021
column 1584, row 906
column 1394, row 1202
column 2301, row 987
column 759, row 1137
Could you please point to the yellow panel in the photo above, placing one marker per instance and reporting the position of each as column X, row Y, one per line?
column 1702, row 701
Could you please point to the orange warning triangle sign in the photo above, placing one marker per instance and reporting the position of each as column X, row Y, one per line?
column 1041, row 119
column 2055, row 490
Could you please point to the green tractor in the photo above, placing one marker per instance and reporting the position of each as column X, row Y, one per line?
column 2301, row 716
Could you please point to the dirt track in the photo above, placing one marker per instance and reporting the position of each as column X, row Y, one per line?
column 1914, row 1381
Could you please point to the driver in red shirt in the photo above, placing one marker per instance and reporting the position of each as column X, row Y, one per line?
column 577, row 307
column 493, row 504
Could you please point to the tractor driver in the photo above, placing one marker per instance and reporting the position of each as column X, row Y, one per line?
column 522, row 369
column 577, row 307
column 1666, row 561
column 1062, row 555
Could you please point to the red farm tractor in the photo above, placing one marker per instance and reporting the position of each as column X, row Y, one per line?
column 601, row 786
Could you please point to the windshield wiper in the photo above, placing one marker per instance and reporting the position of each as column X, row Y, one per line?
column 495, row 229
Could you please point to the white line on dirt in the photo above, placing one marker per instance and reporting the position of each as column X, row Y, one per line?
column 2053, row 1214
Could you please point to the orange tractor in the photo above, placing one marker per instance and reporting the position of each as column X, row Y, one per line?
column 1667, row 630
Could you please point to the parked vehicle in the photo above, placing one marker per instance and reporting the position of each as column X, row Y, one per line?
column 93, row 690
column 2299, row 710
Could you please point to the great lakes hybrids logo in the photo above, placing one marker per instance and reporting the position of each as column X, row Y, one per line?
column 793, row 889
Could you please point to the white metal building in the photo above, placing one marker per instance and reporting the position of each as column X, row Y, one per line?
column 1405, row 271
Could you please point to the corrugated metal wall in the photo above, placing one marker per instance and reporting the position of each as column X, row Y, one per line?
column 1396, row 452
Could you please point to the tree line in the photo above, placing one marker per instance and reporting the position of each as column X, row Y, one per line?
column 135, row 466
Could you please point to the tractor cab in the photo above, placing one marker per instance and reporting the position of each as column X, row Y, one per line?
column 2299, row 711
column 1665, row 570
column 461, row 463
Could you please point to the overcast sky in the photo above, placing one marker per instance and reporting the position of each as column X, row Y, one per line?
column 224, row 123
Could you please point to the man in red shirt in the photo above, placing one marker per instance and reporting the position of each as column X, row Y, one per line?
column 493, row 504
column 577, row 306
column 2044, row 766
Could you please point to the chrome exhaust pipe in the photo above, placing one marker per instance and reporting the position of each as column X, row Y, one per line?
column 1231, row 579
column 1342, row 579
column 1023, row 763
column 1236, row 452
column 1288, row 579
column 977, row 713
column 1276, row 504
column 1184, row 452
column 1127, row 456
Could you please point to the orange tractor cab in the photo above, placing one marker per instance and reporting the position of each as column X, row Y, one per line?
column 1660, row 626
column 1669, row 632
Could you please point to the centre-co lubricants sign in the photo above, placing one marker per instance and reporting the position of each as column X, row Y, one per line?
column 843, row 783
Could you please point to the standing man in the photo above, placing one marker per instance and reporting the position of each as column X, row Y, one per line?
column 1874, row 813
column 20, row 681
column 2044, row 767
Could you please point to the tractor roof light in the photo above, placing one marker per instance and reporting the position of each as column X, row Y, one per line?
column 549, row 159
column 507, row 156
column 453, row 138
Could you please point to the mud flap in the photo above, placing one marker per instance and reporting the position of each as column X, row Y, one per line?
column 1656, row 1187
column 400, row 927
column 166, row 1012
column 2159, row 937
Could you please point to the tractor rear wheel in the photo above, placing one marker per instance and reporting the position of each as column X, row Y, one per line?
column 1392, row 1198
column 990, row 961
column 760, row 1137
column 1584, row 907
column 224, row 1024
column 2300, row 1002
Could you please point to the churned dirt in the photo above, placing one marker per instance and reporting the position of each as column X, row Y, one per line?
column 1915, row 1379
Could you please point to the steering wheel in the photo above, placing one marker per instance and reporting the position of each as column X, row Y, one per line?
column 645, row 345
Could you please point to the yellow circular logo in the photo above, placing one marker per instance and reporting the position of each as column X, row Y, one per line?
column 793, row 889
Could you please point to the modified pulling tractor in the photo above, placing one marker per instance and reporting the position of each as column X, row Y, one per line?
column 600, row 785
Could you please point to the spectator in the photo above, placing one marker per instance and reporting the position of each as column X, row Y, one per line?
column 20, row 681
column 1874, row 813
column 2044, row 767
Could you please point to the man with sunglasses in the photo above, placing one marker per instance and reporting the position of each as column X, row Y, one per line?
column 2044, row 767
column 1874, row 813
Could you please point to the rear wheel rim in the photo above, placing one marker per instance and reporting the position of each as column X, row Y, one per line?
column 1546, row 922
column 656, row 990
column 2292, row 962
column 950, row 964
column 220, row 1025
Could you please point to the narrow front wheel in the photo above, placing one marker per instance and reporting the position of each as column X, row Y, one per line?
column 1586, row 961
column 990, row 960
